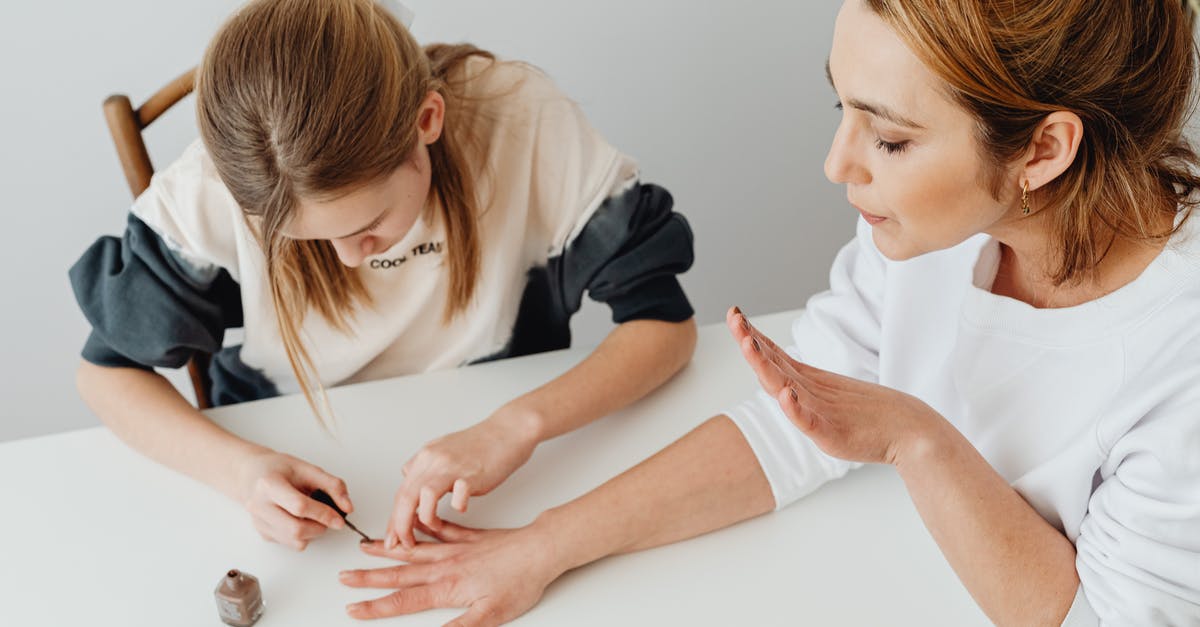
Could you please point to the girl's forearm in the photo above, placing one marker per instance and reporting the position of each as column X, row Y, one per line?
column 145, row 411
column 636, row 358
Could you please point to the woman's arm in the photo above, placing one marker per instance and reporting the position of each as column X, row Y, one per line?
column 636, row 357
column 706, row 480
column 151, row 416
column 1019, row 569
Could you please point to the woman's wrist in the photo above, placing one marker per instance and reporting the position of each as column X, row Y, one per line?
column 565, row 547
column 927, row 445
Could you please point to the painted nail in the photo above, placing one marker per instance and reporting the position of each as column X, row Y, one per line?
column 754, row 343
column 745, row 324
column 795, row 397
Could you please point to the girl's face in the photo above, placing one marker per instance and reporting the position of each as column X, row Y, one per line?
column 373, row 218
column 907, row 153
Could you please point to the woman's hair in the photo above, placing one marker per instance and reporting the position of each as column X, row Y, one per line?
column 312, row 100
column 1125, row 67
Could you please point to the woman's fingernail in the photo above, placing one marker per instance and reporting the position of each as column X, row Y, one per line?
column 754, row 343
column 792, row 393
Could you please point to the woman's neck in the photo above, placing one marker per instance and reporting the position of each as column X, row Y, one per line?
column 1028, row 253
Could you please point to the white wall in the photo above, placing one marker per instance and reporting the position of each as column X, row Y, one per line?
column 725, row 104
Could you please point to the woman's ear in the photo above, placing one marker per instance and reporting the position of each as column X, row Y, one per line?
column 1053, row 148
column 431, row 118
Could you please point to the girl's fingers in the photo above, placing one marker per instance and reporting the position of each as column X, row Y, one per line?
column 287, row 529
column 427, row 508
column 462, row 492
column 300, row 505
column 314, row 477
column 400, row 525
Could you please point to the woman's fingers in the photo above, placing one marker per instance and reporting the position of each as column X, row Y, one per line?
column 741, row 329
column 391, row 577
column 407, row 601
column 770, row 376
column 452, row 532
column 480, row 614
column 420, row 553
column 792, row 401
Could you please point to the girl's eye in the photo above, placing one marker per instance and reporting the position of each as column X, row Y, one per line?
column 374, row 225
column 891, row 147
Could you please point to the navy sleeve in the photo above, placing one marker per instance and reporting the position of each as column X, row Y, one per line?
column 148, row 305
column 628, row 255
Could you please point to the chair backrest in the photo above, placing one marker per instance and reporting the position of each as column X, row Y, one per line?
column 126, row 125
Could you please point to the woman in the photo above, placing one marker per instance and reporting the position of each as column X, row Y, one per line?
column 365, row 207
column 1013, row 328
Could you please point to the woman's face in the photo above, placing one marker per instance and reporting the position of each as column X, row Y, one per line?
column 906, row 152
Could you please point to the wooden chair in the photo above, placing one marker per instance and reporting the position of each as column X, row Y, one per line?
column 126, row 125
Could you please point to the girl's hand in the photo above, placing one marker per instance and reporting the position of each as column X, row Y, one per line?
column 847, row 418
column 496, row 575
column 274, row 488
column 465, row 463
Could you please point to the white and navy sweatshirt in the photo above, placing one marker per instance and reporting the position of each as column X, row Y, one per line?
column 562, row 214
column 1091, row 413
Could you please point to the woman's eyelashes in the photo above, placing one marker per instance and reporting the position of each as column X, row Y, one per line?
column 890, row 148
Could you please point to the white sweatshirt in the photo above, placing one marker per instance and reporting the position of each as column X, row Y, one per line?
column 1091, row 413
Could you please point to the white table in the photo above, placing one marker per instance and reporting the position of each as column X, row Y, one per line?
column 94, row 534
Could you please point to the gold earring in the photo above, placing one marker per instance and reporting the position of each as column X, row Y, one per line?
column 1025, row 198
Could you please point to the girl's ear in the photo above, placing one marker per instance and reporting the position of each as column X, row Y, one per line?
column 431, row 118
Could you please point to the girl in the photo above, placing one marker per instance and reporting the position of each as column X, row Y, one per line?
column 1013, row 328
column 367, row 208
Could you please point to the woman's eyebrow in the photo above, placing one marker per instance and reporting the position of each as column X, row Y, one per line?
column 876, row 110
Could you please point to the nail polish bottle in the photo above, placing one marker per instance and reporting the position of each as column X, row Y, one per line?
column 239, row 599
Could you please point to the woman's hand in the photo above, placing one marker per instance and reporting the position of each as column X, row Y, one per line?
column 465, row 463
column 847, row 418
column 497, row 575
column 275, row 489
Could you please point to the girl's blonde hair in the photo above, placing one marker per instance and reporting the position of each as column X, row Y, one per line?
column 1125, row 67
column 302, row 99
